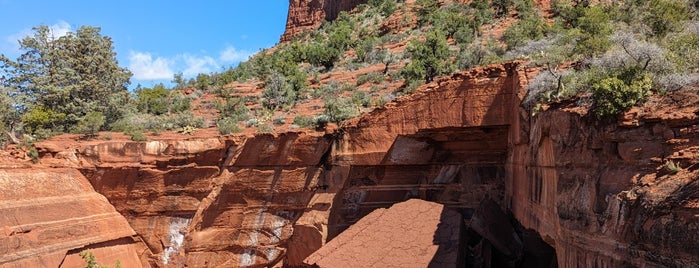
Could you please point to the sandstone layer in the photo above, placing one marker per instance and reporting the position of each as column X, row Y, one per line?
column 202, row 202
column 48, row 216
column 580, row 192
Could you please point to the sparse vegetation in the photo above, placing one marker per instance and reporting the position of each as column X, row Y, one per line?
column 672, row 167
column 620, row 53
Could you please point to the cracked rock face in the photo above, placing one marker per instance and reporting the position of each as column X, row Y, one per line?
column 414, row 233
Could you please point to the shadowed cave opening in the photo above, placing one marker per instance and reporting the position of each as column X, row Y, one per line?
column 465, row 170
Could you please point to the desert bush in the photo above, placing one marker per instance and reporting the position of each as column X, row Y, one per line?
column 424, row 10
column 530, row 27
column 683, row 48
column 278, row 92
column 339, row 109
column 304, row 121
column 451, row 19
column 664, row 16
column 430, row 58
column 613, row 95
column 676, row 81
column 478, row 53
column 264, row 128
column 252, row 122
column 136, row 135
column 228, row 125
column 595, row 27
column 385, row 7
column 630, row 51
column 90, row 124
column 278, row 121
column 370, row 77
column 234, row 108
column 40, row 117
column 360, row 98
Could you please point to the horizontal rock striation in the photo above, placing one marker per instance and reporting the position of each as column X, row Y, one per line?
column 597, row 193
column 228, row 201
column 48, row 216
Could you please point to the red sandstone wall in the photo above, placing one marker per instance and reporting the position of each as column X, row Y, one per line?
column 596, row 192
column 307, row 15
column 599, row 192
column 48, row 216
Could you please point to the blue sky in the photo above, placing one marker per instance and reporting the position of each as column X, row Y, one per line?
column 156, row 39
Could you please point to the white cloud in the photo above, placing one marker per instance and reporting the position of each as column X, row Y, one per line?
column 233, row 55
column 196, row 65
column 60, row 28
column 144, row 67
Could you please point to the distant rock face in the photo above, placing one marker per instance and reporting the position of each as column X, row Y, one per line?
column 414, row 233
column 308, row 14
column 48, row 216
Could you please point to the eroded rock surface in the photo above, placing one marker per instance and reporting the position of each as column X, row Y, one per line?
column 48, row 216
column 201, row 202
column 414, row 233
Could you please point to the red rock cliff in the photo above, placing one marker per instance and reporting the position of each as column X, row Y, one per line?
column 308, row 14
column 590, row 193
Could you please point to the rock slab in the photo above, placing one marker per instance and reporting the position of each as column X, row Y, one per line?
column 414, row 233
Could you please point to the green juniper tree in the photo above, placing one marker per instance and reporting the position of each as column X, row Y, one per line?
column 70, row 75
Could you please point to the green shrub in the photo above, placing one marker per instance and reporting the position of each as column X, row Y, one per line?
column 595, row 28
column 278, row 92
column 264, row 128
column 530, row 27
column 451, row 20
column 613, row 95
column 321, row 120
column 430, row 58
column 304, row 121
column 228, row 125
column 672, row 167
column 360, row 98
column 233, row 108
column 252, row 122
column 278, row 121
column 33, row 154
column 137, row 135
column 90, row 124
column 385, row 7
column 41, row 117
column 339, row 109
column 664, row 16
column 424, row 9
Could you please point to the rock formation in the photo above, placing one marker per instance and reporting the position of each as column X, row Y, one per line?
column 581, row 192
column 307, row 15
column 414, row 233
column 48, row 216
